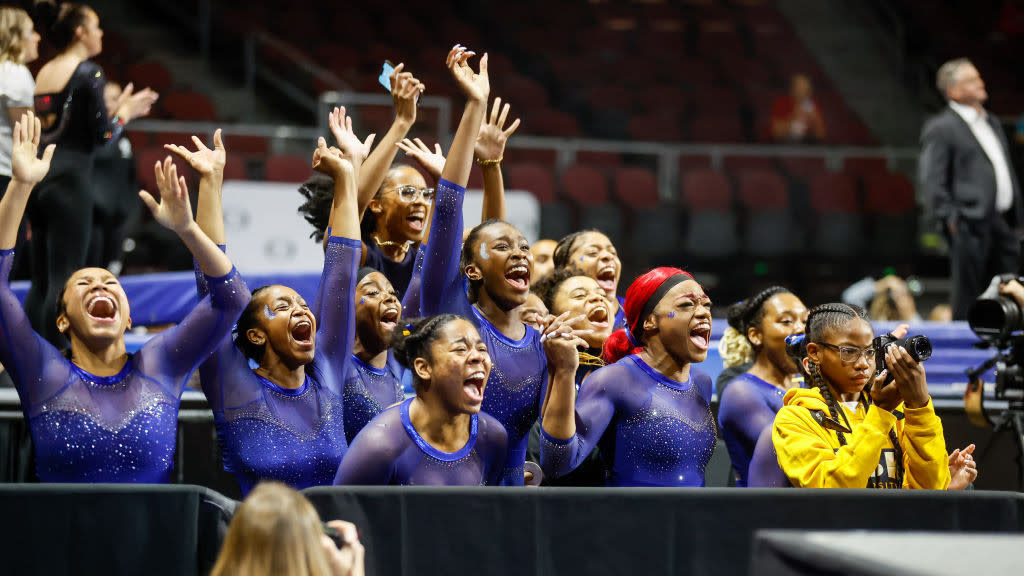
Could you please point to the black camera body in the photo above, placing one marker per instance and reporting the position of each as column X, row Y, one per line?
column 995, row 317
column 919, row 347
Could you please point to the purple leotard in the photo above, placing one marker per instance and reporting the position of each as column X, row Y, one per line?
column 368, row 391
column 747, row 407
column 292, row 436
column 389, row 451
column 519, row 367
column 653, row 431
column 764, row 470
column 119, row 428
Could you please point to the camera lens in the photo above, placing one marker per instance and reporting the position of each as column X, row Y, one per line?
column 994, row 317
column 919, row 347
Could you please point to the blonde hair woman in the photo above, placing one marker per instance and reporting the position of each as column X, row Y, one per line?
column 276, row 532
column 19, row 45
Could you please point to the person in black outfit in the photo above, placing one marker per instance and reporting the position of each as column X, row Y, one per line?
column 69, row 102
column 970, row 184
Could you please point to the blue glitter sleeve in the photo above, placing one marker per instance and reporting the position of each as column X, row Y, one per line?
column 177, row 352
column 743, row 413
column 595, row 408
column 441, row 288
column 336, row 333
column 38, row 369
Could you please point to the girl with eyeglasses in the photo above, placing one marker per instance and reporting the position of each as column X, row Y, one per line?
column 284, row 420
column 853, row 429
column 749, row 403
column 649, row 410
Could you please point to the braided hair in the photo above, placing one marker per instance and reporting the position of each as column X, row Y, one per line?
column 834, row 316
column 414, row 341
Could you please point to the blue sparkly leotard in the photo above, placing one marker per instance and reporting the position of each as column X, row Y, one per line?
column 620, row 314
column 368, row 391
column 764, row 470
column 519, row 367
column 389, row 451
column 747, row 407
column 653, row 431
column 119, row 428
column 292, row 436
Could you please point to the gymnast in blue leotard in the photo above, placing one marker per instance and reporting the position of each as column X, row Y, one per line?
column 497, row 263
column 99, row 414
column 440, row 437
column 649, row 409
column 284, row 420
column 593, row 254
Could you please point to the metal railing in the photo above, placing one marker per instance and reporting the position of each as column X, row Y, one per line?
column 666, row 155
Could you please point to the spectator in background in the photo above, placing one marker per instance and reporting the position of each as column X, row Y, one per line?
column 796, row 117
column 276, row 531
column 114, row 190
column 888, row 299
column 971, row 185
column 19, row 45
column 543, row 251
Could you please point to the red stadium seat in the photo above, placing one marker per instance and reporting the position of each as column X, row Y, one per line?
column 834, row 192
column 654, row 128
column 717, row 129
column 585, row 185
column 888, row 194
column 189, row 106
column 706, row 190
column 804, row 168
column 552, row 123
column 636, row 187
column 598, row 159
column 762, row 190
column 149, row 74
column 287, row 169
column 534, row 178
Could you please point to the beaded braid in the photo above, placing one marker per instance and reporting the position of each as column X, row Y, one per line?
column 831, row 316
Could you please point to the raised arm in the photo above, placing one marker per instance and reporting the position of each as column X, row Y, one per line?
column 594, row 410
column 26, row 171
column 36, row 367
column 924, row 446
column 561, row 341
column 354, row 151
column 490, row 151
column 476, row 87
column 174, row 212
column 405, row 92
column 209, row 163
column 440, row 276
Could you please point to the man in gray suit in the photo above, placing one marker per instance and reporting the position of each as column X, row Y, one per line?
column 970, row 184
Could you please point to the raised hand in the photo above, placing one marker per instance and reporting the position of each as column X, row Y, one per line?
column 131, row 104
column 474, row 85
column 26, row 167
column 908, row 375
column 405, row 92
column 206, row 161
column 330, row 161
column 561, row 341
column 348, row 142
column 432, row 162
column 173, row 211
column 962, row 468
column 885, row 396
column 490, row 143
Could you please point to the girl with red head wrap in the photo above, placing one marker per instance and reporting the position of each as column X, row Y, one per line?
column 649, row 412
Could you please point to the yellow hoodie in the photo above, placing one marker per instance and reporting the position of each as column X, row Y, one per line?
column 812, row 457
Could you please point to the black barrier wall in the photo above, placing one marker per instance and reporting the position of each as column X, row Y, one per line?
column 548, row 531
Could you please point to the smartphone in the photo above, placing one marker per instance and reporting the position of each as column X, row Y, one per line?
column 334, row 535
column 385, row 75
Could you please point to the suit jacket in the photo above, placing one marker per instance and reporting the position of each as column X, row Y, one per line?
column 958, row 178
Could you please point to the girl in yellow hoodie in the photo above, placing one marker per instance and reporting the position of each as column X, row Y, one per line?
column 839, row 433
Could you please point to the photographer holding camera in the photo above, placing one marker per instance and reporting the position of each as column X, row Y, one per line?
column 867, row 421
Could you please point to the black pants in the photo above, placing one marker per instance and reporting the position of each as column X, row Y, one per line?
column 980, row 250
column 61, row 212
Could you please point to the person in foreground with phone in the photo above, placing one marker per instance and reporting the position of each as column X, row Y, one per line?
column 853, row 428
column 277, row 532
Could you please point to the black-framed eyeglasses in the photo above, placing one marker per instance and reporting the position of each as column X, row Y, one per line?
column 409, row 193
column 851, row 354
